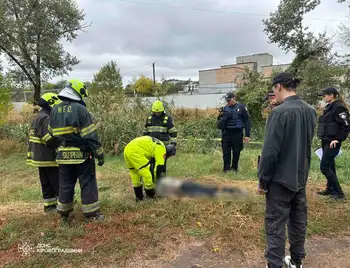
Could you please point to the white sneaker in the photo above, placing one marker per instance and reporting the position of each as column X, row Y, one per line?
column 289, row 264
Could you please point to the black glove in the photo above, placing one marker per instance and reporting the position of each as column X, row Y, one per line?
column 101, row 161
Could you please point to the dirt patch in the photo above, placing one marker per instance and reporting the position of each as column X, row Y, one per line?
column 321, row 252
column 10, row 255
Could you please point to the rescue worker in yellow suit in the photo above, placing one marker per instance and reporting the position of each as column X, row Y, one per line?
column 145, row 157
column 42, row 151
column 72, row 124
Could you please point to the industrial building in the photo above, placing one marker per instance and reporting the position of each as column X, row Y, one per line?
column 229, row 77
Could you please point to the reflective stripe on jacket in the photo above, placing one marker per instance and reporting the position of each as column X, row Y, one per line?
column 160, row 127
column 41, row 145
column 73, row 125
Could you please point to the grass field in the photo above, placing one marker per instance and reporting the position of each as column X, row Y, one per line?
column 151, row 229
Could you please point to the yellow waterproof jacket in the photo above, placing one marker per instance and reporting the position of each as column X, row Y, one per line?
column 141, row 150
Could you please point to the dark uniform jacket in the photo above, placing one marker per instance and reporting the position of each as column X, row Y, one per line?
column 73, row 125
column 234, row 117
column 161, row 127
column 334, row 124
column 41, row 146
column 286, row 153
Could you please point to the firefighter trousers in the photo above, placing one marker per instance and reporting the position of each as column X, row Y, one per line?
column 49, row 180
column 86, row 172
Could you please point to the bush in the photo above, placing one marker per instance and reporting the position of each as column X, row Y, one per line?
column 119, row 119
column 11, row 146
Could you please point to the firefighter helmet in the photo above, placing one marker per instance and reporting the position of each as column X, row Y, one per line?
column 50, row 99
column 78, row 86
column 157, row 107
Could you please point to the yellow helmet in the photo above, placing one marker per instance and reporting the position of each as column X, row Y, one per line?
column 50, row 98
column 157, row 107
column 78, row 86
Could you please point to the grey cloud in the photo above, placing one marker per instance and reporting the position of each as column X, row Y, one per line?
column 180, row 41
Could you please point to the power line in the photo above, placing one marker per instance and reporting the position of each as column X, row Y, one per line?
column 219, row 11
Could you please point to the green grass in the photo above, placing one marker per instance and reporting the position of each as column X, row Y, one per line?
column 132, row 228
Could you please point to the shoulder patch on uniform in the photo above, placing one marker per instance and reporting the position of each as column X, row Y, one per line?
column 344, row 116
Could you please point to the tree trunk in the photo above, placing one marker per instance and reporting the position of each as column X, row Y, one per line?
column 37, row 89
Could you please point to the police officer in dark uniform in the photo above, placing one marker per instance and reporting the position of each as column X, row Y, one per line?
column 231, row 121
column 333, row 129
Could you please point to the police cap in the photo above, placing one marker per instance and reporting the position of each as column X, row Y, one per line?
column 328, row 91
column 229, row 96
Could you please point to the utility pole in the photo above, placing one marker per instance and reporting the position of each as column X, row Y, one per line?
column 154, row 73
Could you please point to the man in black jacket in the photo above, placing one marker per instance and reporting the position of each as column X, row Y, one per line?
column 283, row 172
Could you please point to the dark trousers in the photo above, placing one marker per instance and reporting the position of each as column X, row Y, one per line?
column 86, row 172
column 49, row 180
column 284, row 206
column 327, row 167
column 232, row 145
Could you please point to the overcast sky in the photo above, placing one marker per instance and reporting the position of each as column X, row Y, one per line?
column 181, row 40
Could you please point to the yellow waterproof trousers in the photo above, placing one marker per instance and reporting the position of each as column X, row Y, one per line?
column 139, row 168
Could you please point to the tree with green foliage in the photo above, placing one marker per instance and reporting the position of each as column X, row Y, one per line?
column 108, row 78
column 285, row 27
column 143, row 85
column 31, row 32
column 252, row 93
column 5, row 98
column 316, row 75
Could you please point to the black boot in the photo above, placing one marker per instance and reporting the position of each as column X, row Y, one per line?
column 97, row 217
column 150, row 193
column 48, row 209
column 138, row 193
column 64, row 221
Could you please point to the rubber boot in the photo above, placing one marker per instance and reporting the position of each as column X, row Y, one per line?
column 64, row 221
column 98, row 217
column 138, row 193
column 48, row 209
column 150, row 193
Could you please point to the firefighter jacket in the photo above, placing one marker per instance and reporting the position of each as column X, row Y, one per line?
column 161, row 127
column 334, row 124
column 41, row 145
column 73, row 125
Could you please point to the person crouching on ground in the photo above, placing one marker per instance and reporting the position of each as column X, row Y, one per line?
column 145, row 157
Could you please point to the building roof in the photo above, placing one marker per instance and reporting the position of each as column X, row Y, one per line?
column 256, row 54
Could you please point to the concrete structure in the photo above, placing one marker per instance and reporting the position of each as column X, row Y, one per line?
column 262, row 59
column 268, row 71
column 216, row 88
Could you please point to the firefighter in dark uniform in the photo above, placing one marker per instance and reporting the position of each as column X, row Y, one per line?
column 333, row 129
column 231, row 121
column 42, row 151
column 160, row 125
column 73, row 125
